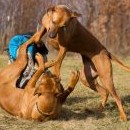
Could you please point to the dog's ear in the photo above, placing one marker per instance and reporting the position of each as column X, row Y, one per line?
column 51, row 9
column 75, row 15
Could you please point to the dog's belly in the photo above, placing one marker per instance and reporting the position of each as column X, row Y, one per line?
column 85, row 48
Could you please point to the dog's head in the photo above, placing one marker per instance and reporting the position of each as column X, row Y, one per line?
column 49, row 84
column 58, row 17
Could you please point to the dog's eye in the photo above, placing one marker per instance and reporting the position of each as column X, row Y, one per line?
column 64, row 28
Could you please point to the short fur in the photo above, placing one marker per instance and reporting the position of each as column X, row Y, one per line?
column 65, row 33
column 37, row 103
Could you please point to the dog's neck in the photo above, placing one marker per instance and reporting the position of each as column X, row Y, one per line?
column 69, row 34
column 73, row 26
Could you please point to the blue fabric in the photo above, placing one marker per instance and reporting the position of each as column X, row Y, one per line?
column 15, row 43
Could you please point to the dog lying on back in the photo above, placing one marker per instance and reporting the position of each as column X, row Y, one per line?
column 37, row 103
column 65, row 33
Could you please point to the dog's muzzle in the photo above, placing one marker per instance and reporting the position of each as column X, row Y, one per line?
column 52, row 34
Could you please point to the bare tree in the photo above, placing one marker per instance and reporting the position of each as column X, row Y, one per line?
column 108, row 20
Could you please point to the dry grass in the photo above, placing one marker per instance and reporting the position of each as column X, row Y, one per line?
column 80, row 111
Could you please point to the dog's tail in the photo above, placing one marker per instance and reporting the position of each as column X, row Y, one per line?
column 113, row 58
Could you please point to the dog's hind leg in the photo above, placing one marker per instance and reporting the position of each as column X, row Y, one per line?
column 22, row 59
column 104, row 69
column 89, row 78
column 12, row 71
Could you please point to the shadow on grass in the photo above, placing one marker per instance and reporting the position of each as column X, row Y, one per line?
column 126, row 102
column 78, row 113
column 75, row 100
column 126, row 99
column 68, row 114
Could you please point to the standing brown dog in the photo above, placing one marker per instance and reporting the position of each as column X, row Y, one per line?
column 65, row 33
column 38, row 103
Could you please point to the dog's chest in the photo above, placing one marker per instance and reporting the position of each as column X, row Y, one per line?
column 53, row 43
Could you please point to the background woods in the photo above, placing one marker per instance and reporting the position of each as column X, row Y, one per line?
column 108, row 20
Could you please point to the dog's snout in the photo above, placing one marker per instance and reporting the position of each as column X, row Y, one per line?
column 52, row 34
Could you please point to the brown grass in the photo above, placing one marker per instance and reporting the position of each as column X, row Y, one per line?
column 80, row 112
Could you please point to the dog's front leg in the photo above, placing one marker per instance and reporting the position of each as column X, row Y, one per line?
column 41, row 67
column 60, row 57
column 39, row 34
column 72, row 83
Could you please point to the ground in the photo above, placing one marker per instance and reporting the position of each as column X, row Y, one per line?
column 80, row 112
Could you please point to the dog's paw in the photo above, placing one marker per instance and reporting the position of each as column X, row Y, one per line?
column 39, row 58
column 40, row 61
column 74, row 79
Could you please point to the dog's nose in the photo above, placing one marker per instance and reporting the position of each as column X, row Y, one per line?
column 52, row 34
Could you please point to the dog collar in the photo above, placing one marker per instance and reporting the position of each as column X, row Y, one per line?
column 43, row 113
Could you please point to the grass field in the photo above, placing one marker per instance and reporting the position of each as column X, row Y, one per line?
column 75, row 113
